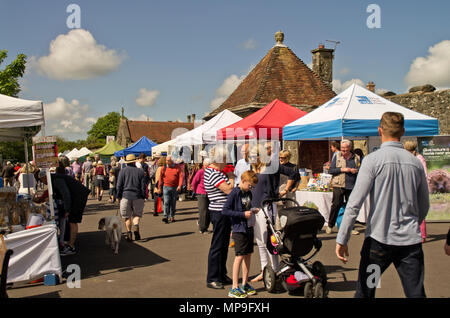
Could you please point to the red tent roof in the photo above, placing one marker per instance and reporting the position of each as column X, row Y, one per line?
column 264, row 123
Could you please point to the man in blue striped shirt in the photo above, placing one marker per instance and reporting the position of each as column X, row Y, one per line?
column 399, row 202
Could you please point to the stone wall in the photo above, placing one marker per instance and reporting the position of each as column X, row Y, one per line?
column 435, row 104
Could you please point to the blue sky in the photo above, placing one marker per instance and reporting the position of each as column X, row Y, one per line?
column 181, row 57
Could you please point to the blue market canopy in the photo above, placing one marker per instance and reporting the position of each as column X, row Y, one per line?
column 356, row 112
column 143, row 145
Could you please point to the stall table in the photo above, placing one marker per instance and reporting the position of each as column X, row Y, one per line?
column 323, row 202
column 36, row 254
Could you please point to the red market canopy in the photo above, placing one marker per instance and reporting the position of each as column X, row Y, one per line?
column 267, row 123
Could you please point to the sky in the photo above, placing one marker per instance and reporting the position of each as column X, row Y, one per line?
column 164, row 60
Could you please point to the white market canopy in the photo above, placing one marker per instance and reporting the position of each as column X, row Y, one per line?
column 71, row 154
column 164, row 147
column 78, row 153
column 17, row 116
column 356, row 112
column 206, row 133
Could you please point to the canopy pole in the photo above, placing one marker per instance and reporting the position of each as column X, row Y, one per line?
column 26, row 166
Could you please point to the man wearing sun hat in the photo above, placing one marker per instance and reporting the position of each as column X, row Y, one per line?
column 131, row 193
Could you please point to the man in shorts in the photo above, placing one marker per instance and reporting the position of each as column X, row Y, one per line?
column 131, row 191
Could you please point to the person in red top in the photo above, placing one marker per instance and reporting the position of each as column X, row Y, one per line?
column 100, row 175
column 170, row 184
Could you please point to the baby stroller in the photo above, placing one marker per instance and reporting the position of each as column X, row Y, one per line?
column 297, row 238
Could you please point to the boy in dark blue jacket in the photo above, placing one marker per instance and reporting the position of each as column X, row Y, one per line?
column 238, row 207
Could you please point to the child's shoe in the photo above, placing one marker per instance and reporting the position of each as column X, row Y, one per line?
column 248, row 289
column 237, row 293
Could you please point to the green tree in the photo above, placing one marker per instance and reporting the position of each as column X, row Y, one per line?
column 105, row 126
column 9, row 77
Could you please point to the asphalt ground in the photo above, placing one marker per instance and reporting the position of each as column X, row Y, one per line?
column 170, row 261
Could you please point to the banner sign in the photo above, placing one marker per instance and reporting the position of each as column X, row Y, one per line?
column 45, row 152
column 436, row 151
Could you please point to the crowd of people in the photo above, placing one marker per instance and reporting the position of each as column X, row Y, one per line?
column 231, row 198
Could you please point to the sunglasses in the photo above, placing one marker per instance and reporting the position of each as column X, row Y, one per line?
column 283, row 158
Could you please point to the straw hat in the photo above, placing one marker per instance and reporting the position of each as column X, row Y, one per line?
column 130, row 158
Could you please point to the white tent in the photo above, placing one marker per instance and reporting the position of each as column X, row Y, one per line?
column 18, row 117
column 356, row 112
column 83, row 152
column 72, row 153
column 164, row 147
column 206, row 133
column 75, row 153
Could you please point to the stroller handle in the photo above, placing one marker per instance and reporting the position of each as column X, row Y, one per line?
column 272, row 200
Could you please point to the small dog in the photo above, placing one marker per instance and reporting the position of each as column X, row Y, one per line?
column 113, row 228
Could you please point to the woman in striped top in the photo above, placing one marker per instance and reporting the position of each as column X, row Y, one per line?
column 218, row 186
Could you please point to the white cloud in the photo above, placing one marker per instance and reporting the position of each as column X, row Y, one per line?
column 250, row 44
column 225, row 90
column 68, row 119
column 344, row 71
column 146, row 97
column 142, row 117
column 433, row 69
column 339, row 87
column 76, row 56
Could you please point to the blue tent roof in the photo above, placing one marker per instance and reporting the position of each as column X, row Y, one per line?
column 143, row 145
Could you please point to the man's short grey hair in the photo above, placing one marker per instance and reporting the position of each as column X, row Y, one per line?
column 347, row 142
column 206, row 162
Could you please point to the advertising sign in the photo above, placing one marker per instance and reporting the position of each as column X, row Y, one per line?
column 45, row 152
column 436, row 151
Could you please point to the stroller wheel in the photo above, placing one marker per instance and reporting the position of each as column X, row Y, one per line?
column 308, row 290
column 319, row 270
column 269, row 278
column 318, row 291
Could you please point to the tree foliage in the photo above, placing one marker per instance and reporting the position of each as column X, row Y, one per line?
column 105, row 126
column 9, row 77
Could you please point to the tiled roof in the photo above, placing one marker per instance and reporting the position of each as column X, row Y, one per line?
column 157, row 131
column 280, row 74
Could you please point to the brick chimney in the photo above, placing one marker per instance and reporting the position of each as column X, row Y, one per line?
column 193, row 118
column 322, row 64
column 188, row 118
column 371, row 87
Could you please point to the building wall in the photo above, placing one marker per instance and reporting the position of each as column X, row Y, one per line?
column 435, row 104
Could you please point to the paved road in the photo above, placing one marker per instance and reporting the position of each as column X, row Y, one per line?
column 171, row 261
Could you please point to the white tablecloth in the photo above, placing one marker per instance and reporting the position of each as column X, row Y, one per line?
column 323, row 202
column 36, row 253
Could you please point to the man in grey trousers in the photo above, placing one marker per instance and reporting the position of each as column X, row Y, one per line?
column 399, row 202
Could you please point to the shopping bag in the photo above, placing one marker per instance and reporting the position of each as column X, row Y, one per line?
column 340, row 216
column 158, row 205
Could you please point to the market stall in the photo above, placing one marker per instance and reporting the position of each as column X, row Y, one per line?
column 206, row 133
column 353, row 114
column 164, row 148
column 356, row 112
column 19, row 120
column 143, row 145
column 36, row 253
column 266, row 124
